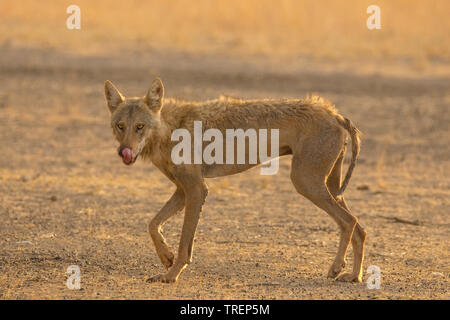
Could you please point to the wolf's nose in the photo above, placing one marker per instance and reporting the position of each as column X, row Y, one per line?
column 120, row 150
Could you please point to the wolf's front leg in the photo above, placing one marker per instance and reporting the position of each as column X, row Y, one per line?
column 195, row 197
column 174, row 205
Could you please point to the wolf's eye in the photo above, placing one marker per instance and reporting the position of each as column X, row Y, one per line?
column 139, row 126
column 120, row 126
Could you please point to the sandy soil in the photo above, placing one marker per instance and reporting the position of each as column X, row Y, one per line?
column 67, row 199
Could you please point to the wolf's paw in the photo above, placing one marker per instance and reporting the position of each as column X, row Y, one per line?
column 167, row 258
column 160, row 278
column 335, row 270
column 350, row 277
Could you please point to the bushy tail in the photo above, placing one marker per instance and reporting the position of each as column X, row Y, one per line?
column 354, row 134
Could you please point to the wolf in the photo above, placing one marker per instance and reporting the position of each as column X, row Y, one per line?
column 311, row 130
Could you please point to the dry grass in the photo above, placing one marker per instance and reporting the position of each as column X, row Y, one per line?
column 329, row 29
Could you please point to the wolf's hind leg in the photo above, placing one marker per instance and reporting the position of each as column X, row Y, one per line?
column 173, row 206
column 359, row 235
column 309, row 172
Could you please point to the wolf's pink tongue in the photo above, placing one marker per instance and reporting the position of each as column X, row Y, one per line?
column 127, row 156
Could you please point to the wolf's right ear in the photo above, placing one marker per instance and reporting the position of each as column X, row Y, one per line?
column 113, row 96
column 154, row 95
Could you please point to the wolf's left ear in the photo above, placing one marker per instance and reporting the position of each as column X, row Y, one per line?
column 113, row 96
column 154, row 95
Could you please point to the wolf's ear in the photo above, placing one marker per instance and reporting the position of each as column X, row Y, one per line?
column 113, row 96
column 154, row 95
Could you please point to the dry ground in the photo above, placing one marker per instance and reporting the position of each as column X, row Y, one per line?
column 66, row 198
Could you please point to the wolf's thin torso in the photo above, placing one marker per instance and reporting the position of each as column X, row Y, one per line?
column 294, row 118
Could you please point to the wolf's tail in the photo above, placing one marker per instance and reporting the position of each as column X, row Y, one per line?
column 356, row 142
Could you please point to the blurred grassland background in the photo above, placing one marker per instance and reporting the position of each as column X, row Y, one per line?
column 333, row 29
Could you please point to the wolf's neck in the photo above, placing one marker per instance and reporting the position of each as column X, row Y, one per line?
column 147, row 150
column 155, row 140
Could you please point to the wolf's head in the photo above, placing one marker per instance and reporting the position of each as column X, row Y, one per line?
column 134, row 119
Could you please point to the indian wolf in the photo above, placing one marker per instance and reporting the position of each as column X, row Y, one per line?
column 311, row 130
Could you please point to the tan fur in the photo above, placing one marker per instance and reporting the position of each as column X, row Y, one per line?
column 310, row 129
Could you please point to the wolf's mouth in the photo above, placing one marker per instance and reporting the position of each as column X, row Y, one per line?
column 128, row 162
column 127, row 156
